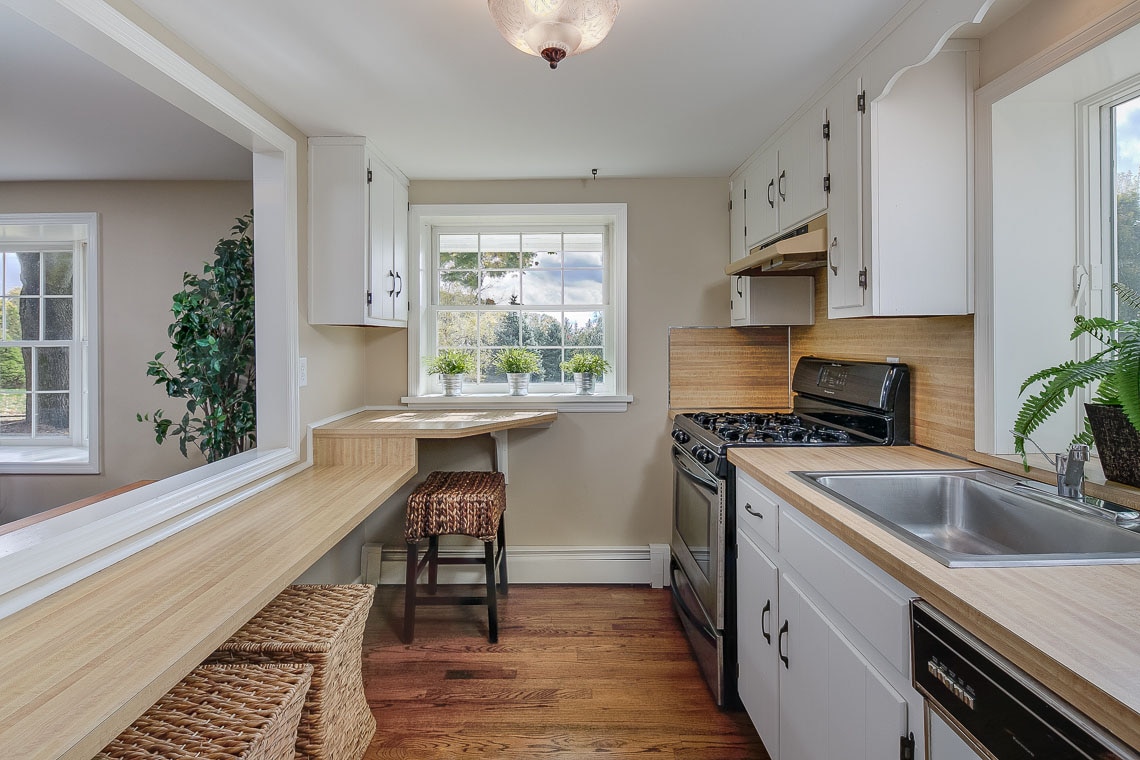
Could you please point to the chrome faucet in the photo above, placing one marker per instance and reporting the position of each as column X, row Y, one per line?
column 1070, row 468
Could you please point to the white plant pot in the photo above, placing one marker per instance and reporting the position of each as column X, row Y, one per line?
column 518, row 383
column 583, row 383
column 452, row 384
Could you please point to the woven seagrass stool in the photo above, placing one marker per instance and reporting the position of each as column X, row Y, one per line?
column 322, row 626
column 456, row 503
column 241, row 711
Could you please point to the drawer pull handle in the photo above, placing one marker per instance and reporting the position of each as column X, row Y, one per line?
column 748, row 508
column 765, row 616
column 782, row 642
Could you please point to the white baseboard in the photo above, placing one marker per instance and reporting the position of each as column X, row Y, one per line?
column 544, row 564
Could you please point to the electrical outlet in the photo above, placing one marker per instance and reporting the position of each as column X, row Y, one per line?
column 303, row 373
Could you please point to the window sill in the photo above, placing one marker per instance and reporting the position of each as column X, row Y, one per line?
column 561, row 402
column 56, row 460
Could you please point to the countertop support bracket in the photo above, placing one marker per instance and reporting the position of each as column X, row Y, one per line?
column 500, row 437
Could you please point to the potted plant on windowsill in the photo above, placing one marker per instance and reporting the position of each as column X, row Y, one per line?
column 1113, row 416
column 518, row 364
column 451, row 364
column 586, row 368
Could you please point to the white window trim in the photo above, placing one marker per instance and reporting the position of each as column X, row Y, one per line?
column 422, row 218
column 51, row 555
column 81, row 455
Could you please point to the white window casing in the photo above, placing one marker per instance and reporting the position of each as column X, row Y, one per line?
column 478, row 223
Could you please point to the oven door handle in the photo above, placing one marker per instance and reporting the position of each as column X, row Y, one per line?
column 700, row 624
column 680, row 461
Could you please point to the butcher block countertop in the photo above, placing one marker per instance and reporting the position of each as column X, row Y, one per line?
column 457, row 423
column 1076, row 629
column 79, row 666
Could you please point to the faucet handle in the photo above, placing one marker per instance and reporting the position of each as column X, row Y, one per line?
column 1078, row 452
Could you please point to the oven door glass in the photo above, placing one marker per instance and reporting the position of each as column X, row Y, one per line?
column 697, row 533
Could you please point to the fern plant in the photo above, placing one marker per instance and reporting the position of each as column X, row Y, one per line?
column 1115, row 367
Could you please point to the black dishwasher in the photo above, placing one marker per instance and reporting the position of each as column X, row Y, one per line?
column 995, row 705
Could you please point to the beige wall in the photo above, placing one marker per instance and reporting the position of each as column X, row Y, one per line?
column 1036, row 28
column 592, row 479
column 150, row 233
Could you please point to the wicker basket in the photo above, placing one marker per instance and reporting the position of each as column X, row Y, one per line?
column 322, row 626
column 246, row 712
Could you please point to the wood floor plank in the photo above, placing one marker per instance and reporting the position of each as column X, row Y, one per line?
column 579, row 671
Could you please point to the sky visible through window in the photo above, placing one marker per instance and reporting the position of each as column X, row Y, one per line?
column 1126, row 158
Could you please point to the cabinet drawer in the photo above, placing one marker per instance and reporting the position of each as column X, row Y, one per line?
column 756, row 511
column 874, row 604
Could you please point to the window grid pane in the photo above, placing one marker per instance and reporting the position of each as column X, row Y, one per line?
column 37, row 344
column 539, row 274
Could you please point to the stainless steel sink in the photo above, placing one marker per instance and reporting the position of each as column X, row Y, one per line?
column 970, row 518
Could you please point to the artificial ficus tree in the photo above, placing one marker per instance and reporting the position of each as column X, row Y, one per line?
column 214, row 361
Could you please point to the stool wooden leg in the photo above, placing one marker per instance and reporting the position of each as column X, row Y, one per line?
column 492, row 607
column 433, row 563
column 503, row 555
column 410, row 593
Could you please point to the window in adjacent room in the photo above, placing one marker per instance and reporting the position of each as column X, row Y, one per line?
column 47, row 311
column 551, row 281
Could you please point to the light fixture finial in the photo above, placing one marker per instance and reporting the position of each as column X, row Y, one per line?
column 554, row 29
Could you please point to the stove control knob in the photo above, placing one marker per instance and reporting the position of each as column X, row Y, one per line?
column 680, row 436
column 703, row 455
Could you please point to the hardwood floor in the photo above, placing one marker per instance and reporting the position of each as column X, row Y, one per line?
column 579, row 671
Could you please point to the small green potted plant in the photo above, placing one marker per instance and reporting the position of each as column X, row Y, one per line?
column 1113, row 417
column 518, row 364
column 451, row 364
column 585, row 368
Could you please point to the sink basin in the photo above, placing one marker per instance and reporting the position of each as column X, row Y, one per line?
column 972, row 518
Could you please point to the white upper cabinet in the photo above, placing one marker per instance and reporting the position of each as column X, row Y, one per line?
column 358, row 235
column 921, row 193
column 736, row 220
column 784, row 186
column 845, row 269
column 761, row 198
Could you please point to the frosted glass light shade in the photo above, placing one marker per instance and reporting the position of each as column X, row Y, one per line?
column 554, row 29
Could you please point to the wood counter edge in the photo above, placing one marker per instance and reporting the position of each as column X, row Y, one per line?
column 900, row 561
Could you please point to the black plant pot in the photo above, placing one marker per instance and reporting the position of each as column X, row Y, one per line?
column 1117, row 443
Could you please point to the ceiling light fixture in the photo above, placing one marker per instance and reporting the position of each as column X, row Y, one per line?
column 554, row 29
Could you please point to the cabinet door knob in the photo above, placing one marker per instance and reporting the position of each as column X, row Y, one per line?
column 784, row 185
column 771, row 200
column 392, row 279
column 781, row 644
column 830, row 260
column 748, row 508
column 765, row 615
column 739, row 292
column 400, row 289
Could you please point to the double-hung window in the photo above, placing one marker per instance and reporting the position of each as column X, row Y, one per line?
column 1121, row 124
column 548, row 279
column 47, row 308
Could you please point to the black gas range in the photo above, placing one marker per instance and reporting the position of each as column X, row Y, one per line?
column 836, row 403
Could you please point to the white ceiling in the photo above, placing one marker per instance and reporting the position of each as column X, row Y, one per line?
column 679, row 89
column 66, row 116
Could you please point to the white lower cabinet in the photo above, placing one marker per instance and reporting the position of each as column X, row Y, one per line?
column 757, row 613
column 815, row 686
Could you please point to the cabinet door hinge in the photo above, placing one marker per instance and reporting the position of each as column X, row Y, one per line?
column 370, row 298
column 906, row 747
column 827, row 130
column 746, row 193
column 863, row 278
column 730, row 205
column 369, row 175
column 861, row 102
column 827, row 183
column 746, row 232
